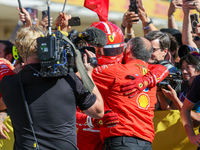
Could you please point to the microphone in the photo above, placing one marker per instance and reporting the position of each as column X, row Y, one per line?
column 94, row 37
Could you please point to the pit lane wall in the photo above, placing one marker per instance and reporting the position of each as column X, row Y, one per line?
column 169, row 132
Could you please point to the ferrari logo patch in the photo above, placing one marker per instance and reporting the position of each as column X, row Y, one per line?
column 143, row 101
column 100, row 122
column 144, row 70
column 111, row 38
column 140, row 85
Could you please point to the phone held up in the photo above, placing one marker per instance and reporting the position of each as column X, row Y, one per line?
column 133, row 7
column 194, row 21
column 74, row 21
column 34, row 14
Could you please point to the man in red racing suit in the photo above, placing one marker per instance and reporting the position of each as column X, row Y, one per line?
column 135, row 113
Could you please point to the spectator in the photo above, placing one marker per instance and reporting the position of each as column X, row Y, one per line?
column 174, row 5
column 191, row 99
column 176, row 41
column 190, row 67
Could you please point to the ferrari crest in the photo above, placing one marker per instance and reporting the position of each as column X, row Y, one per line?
column 111, row 38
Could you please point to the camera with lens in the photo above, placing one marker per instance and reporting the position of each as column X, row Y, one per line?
column 56, row 55
column 58, row 51
column 174, row 79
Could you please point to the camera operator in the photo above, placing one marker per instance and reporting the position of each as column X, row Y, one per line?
column 52, row 101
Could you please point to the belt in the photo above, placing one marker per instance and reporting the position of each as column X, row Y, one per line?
column 127, row 139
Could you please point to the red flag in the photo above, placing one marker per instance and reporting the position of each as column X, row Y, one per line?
column 101, row 7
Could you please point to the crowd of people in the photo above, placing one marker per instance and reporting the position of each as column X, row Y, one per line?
column 61, row 113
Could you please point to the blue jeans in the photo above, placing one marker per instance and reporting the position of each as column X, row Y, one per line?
column 126, row 143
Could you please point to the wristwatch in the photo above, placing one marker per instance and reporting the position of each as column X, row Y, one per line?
column 151, row 21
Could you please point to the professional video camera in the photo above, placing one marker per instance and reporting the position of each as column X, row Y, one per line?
column 57, row 52
column 56, row 55
column 174, row 79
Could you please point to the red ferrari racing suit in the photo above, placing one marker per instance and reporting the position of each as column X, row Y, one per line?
column 136, row 114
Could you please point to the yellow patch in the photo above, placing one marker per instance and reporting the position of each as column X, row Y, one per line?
column 140, row 85
column 100, row 122
column 143, row 101
column 111, row 38
column 145, row 83
column 144, row 70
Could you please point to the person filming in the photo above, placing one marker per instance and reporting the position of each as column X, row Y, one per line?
column 51, row 101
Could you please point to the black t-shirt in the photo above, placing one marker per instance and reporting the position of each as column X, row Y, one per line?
column 52, row 103
column 194, row 90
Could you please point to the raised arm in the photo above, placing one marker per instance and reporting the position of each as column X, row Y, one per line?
column 174, row 4
column 187, row 28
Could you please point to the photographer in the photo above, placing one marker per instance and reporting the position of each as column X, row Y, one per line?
column 190, row 67
column 51, row 101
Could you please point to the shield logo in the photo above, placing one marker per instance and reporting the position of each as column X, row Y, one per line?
column 111, row 38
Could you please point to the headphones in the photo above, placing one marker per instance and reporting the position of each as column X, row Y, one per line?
column 16, row 55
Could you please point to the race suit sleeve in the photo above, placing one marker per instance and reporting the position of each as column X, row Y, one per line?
column 158, row 73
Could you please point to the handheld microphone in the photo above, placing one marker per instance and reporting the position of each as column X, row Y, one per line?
column 94, row 37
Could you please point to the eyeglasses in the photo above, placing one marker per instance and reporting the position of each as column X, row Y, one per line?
column 155, row 49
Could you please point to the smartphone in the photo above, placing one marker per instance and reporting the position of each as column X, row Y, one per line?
column 44, row 14
column 133, row 7
column 194, row 21
column 74, row 21
column 33, row 13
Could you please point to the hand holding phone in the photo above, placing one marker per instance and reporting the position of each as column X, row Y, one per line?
column 74, row 21
column 194, row 21
column 34, row 15
column 133, row 8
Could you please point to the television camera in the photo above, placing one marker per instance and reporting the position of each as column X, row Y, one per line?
column 174, row 78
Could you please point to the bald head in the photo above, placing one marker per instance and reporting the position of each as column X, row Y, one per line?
column 140, row 48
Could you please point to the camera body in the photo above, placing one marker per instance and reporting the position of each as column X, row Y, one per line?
column 55, row 54
column 174, row 79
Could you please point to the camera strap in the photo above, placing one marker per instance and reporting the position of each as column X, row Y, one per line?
column 87, row 82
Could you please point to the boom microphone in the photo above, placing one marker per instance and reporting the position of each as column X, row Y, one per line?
column 94, row 37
